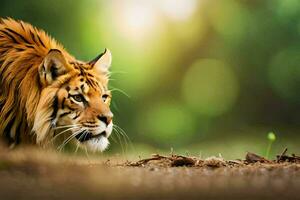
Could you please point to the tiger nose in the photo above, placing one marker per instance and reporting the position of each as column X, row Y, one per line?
column 105, row 118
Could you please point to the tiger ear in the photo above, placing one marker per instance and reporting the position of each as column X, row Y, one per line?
column 101, row 63
column 53, row 66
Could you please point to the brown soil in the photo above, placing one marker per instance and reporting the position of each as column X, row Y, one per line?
column 32, row 174
column 179, row 161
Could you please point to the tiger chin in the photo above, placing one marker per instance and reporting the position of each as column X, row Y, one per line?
column 47, row 94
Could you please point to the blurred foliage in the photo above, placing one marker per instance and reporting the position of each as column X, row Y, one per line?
column 199, row 73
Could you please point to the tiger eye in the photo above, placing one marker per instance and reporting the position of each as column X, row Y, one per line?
column 78, row 98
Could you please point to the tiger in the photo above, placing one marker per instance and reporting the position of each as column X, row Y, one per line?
column 45, row 92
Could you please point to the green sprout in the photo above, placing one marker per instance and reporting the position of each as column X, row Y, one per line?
column 271, row 138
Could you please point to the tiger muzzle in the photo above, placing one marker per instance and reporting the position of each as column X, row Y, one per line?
column 85, row 136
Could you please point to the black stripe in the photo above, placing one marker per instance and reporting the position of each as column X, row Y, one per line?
column 63, row 103
column 82, row 88
column 9, row 35
column 18, row 34
column 18, row 133
column 1, row 63
column 6, row 66
column 10, row 111
column 82, row 72
column 55, row 107
column 40, row 41
column 19, row 49
column 64, row 114
column 33, row 37
column 70, row 108
column 89, row 82
column 1, row 103
column 22, row 26
column 90, row 75
column 29, row 46
column 7, row 131
column 76, row 117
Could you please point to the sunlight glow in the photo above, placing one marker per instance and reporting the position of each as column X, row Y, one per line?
column 135, row 19
column 138, row 19
column 178, row 9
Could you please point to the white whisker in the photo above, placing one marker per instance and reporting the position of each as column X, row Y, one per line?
column 125, row 136
column 60, row 147
column 67, row 126
column 121, row 91
column 119, row 139
column 60, row 133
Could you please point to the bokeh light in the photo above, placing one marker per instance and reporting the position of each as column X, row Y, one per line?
column 167, row 121
column 284, row 74
column 288, row 8
column 135, row 19
column 178, row 9
column 210, row 87
column 140, row 19
column 229, row 19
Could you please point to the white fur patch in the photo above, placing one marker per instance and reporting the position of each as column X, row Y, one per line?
column 97, row 144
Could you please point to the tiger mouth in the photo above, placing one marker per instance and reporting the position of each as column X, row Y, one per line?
column 85, row 136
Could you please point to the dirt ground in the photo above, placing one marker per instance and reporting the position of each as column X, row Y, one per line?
column 36, row 174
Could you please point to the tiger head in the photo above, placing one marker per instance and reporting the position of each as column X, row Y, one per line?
column 74, row 101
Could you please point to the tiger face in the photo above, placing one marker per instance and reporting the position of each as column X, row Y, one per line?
column 75, row 101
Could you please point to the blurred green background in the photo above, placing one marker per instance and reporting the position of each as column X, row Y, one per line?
column 200, row 76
